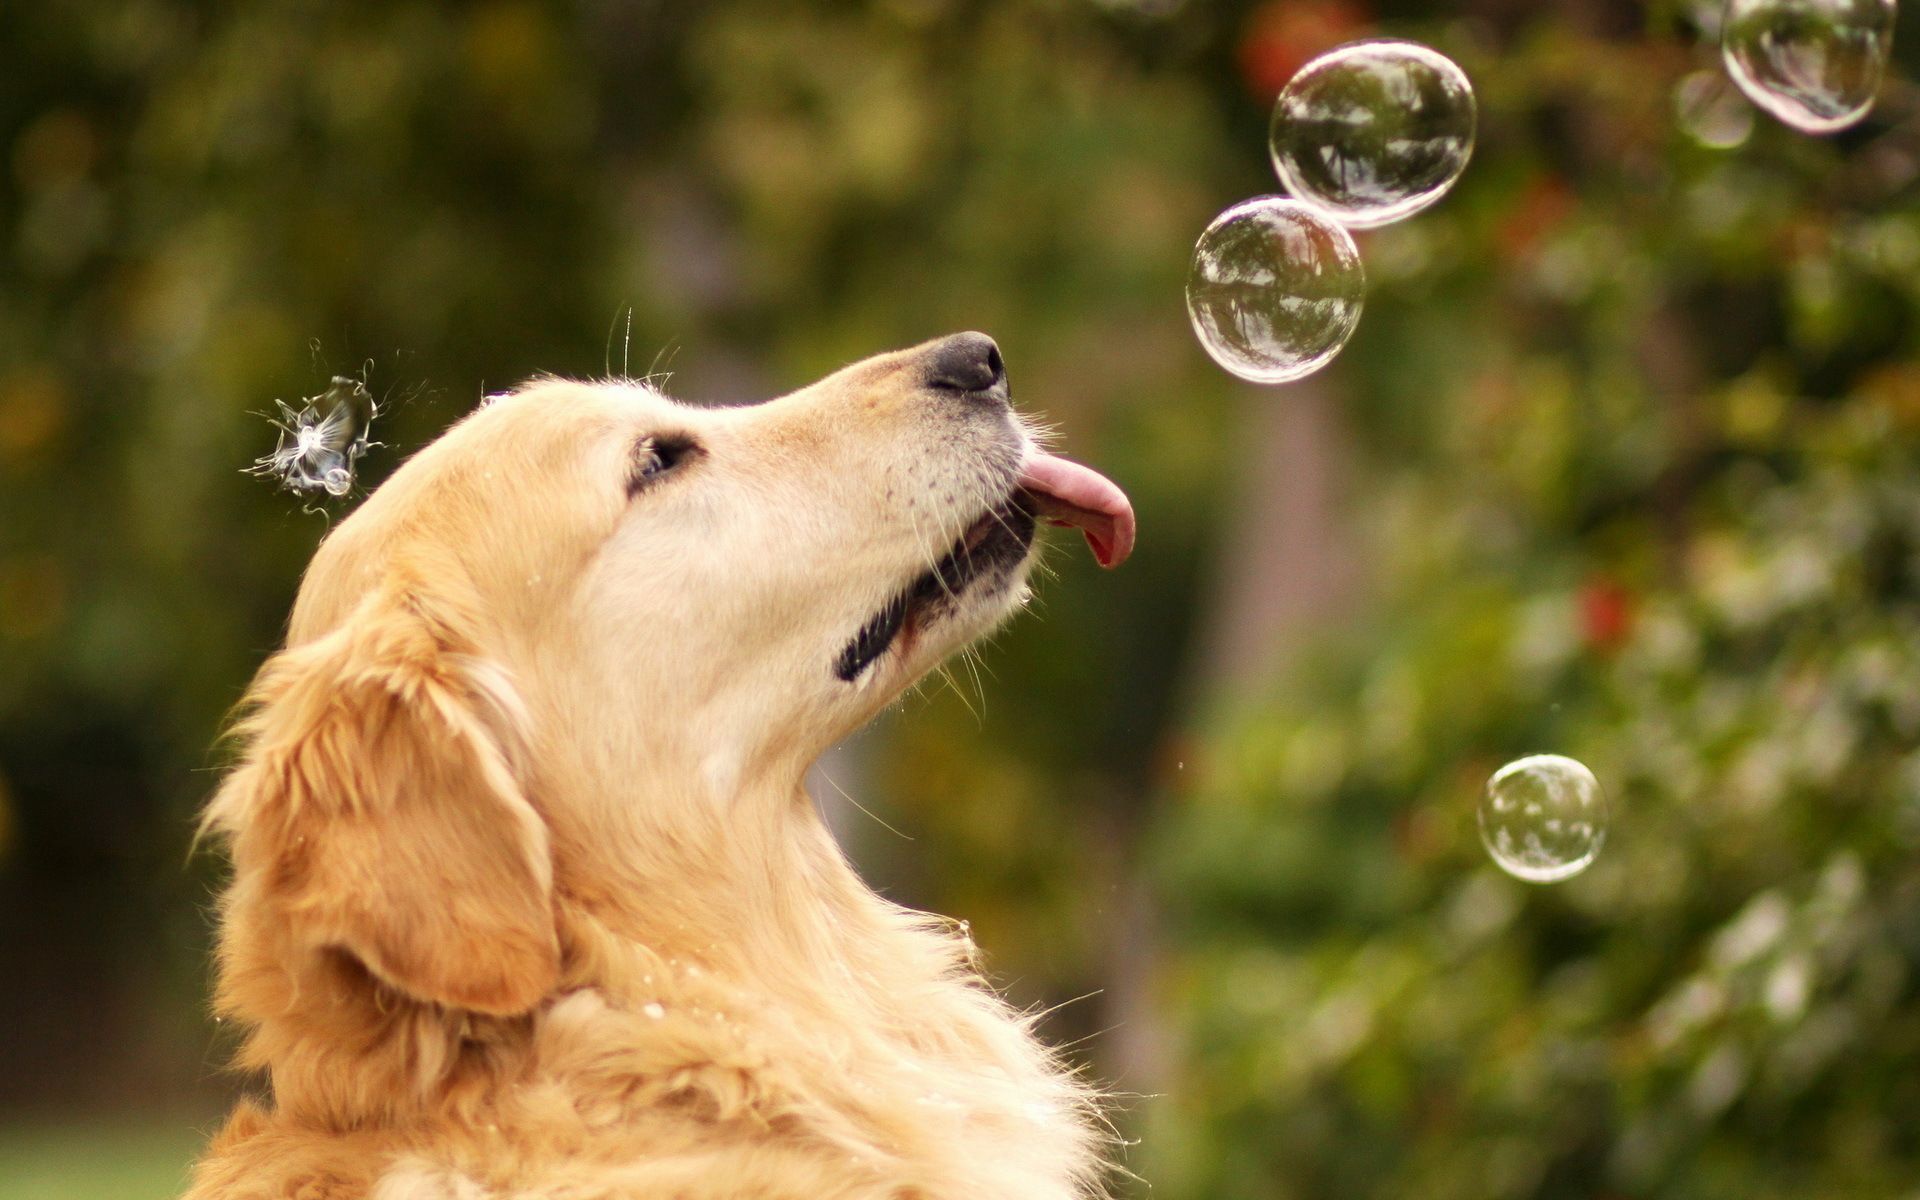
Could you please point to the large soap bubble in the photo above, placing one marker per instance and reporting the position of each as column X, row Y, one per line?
column 1543, row 818
column 1373, row 132
column 1815, row 64
column 1275, row 289
column 321, row 442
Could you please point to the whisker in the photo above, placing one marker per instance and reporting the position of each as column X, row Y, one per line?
column 946, row 673
column 970, row 659
column 932, row 559
column 980, row 657
column 606, row 353
column 655, row 375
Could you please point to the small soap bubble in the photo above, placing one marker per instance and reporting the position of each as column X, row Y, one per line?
column 320, row 442
column 1275, row 289
column 1712, row 111
column 1543, row 818
column 1373, row 131
column 1815, row 64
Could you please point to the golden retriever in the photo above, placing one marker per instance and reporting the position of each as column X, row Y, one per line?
column 528, row 900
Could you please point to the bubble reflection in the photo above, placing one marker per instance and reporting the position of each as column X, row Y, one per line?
column 1275, row 289
column 1814, row 64
column 1543, row 818
column 1373, row 132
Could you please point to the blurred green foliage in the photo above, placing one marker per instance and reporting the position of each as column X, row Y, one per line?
column 1628, row 434
column 89, row 1161
column 1642, row 486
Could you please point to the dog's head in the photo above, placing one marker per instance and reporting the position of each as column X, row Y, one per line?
column 581, row 587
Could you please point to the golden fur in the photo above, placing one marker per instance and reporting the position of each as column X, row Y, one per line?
column 527, row 898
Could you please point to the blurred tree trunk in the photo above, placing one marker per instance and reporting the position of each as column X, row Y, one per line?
column 1286, row 565
column 1285, row 568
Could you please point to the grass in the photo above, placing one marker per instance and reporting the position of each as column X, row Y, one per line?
column 97, row 1162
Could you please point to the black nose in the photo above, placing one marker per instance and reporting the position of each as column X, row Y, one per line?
column 966, row 362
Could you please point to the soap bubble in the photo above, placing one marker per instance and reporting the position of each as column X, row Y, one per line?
column 1712, row 111
column 1543, row 818
column 1373, row 132
column 1275, row 289
column 321, row 441
column 1815, row 64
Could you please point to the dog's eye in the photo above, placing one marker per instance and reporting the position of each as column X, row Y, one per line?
column 656, row 455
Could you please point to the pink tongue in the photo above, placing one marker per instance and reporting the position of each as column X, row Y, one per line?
column 1067, row 493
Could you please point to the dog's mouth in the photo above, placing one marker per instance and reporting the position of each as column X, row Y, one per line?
column 1062, row 492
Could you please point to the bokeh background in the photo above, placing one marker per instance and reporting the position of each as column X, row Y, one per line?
column 1623, row 463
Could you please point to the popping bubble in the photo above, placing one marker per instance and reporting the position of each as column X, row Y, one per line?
column 1543, row 818
column 1712, row 111
column 1373, row 132
column 1815, row 64
column 1275, row 289
column 321, row 441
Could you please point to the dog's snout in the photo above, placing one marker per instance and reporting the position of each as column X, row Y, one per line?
column 966, row 362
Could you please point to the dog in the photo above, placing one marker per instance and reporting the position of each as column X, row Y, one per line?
column 528, row 900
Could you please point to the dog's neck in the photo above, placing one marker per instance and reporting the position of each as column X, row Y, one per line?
column 748, row 884
column 754, row 911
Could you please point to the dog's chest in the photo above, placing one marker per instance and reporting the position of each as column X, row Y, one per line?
column 691, row 1074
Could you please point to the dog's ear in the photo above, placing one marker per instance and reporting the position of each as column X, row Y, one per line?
column 377, row 812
